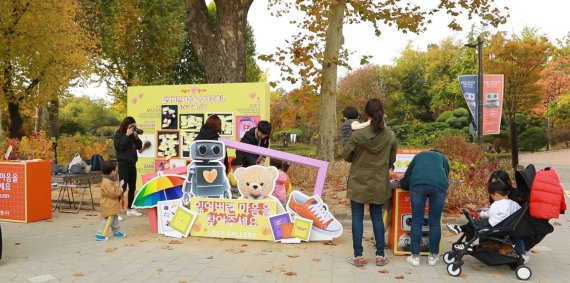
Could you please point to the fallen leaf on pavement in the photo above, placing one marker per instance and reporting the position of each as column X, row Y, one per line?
column 556, row 224
column 110, row 250
column 129, row 245
column 408, row 272
column 447, row 234
column 244, row 245
column 77, row 274
column 75, row 226
column 290, row 273
column 269, row 270
column 385, row 271
column 15, row 244
column 316, row 260
column 172, row 242
column 143, row 241
column 210, row 257
column 293, row 256
column 399, row 277
column 91, row 214
column 160, row 270
column 330, row 243
column 167, row 248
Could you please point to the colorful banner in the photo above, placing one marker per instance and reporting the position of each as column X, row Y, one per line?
column 172, row 115
column 469, row 88
column 233, row 218
column 492, row 103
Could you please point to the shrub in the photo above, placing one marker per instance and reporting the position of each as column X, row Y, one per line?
column 444, row 116
column 470, row 171
column 561, row 136
column 460, row 112
column 532, row 139
column 34, row 146
column 86, row 146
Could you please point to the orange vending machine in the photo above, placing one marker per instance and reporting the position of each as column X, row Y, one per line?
column 399, row 234
column 25, row 191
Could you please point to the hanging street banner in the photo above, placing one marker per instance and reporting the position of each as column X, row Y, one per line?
column 492, row 103
column 468, row 85
column 492, row 100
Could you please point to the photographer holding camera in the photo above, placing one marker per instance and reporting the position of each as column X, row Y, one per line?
column 127, row 142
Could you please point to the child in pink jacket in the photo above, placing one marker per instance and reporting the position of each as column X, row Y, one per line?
column 280, row 191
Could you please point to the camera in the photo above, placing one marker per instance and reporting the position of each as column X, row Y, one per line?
column 139, row 131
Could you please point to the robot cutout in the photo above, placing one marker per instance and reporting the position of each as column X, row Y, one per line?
column 206, row 175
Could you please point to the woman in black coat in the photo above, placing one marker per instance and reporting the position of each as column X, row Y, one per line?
column 127, row 142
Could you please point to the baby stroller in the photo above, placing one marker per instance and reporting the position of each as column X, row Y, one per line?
column 496, row 245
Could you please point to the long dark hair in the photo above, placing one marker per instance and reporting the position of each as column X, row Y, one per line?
column 125, row 124
column 375, row 110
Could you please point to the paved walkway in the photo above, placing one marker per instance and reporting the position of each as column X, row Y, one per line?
column 63, row 250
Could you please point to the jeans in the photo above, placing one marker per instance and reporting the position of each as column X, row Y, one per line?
column 419, row 195
column 357, row 210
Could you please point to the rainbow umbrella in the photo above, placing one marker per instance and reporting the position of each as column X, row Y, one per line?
column 162, row 187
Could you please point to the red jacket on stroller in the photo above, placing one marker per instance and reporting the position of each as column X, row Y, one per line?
column 546, row 195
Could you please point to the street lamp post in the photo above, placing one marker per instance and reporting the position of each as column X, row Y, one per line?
column 479, row 46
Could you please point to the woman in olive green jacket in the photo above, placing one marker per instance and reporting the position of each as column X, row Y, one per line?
column 372, row 152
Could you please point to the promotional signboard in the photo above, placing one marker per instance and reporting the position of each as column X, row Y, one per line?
column 233, row 218
column 171, row 116
column 400, row 230
column 492, row 100
column 25, row 191
column 469, row 89
column 492, row 104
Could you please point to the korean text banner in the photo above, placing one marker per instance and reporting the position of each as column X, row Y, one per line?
column 233, row 218
column 468, row 85
column 171, row 116
column 492, row 103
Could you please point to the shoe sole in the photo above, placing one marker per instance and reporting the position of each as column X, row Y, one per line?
column 317, row 229
column 382, row 263
column 351, row 261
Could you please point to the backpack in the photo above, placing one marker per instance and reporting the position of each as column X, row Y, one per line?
column 96, row 162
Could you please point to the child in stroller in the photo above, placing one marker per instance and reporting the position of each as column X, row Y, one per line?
column 497, row 243
column 500, row 209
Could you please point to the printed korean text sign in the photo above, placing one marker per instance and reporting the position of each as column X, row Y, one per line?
column 233, row 218
column 25, row 191
column 12, row 191
column 172, row 115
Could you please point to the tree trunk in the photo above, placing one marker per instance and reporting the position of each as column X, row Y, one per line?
column 53, row 116
column 334, row 40
column 514, row 144
column 16, row 121
column 39, row 119
column 220, row 49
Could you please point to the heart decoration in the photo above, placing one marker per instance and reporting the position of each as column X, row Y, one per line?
column 210, row 176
